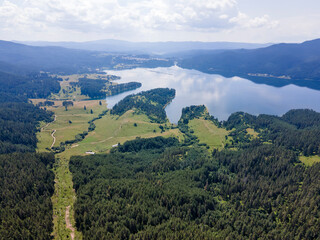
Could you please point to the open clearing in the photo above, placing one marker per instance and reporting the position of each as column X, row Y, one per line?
column 209, row 133
column 309, row 161
column 67, row 125
column 111, row 130
column 252, row 132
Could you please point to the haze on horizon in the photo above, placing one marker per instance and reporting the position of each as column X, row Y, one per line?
column 253, row 21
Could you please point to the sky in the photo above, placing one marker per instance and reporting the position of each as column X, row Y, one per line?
column 256, row 21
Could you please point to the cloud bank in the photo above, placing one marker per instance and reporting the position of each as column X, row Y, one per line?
column 124, row 17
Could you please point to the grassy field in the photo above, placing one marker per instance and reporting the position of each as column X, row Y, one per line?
column 68, row 123
column 64, row 195
column 209, row 133
column 309, row 161
column 109, row 131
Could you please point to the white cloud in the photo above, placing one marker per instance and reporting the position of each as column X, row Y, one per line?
column 125, row 17
column 245, row 21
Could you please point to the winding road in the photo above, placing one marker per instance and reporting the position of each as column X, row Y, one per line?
column 54, row 138
column 53, row 132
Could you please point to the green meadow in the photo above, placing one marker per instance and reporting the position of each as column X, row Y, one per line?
column 207, row 132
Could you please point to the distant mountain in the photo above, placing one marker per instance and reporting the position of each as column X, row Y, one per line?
column 119, row 46
column 19, row 58
column 22, row 59
column 283, row 61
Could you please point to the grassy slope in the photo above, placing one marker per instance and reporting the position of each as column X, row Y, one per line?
column 309, row 161
column 64, row 130
column 252, row 132
column 209, row 133
column 109, row 131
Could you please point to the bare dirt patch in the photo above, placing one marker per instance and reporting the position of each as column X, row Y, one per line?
column 68, row 223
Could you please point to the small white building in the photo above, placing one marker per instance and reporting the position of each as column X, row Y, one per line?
column 90, row 152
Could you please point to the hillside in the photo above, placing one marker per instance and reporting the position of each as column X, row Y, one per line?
column 291, row 61
column 255, row 188
column 22, row 59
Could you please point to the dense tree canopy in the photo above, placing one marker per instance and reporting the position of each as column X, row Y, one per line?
column 18, row 126
column 151, row 103
column 161, row 189
column 94, row 88
column 32, row 86
column 185, row 193
column 26, row 181
column 123, row 87
column 298, row 130
column 26, row 186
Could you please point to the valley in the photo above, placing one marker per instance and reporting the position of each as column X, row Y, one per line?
column 109, row 131
column 200, row 133
column 127, row 146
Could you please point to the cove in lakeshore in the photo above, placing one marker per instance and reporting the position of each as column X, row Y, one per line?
column 222, row 96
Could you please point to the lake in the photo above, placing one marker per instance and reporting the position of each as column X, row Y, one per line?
column 221, row 95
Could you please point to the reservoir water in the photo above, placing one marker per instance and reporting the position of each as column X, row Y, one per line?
column 221, row 95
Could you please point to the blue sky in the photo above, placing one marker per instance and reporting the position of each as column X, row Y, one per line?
column 160, row 20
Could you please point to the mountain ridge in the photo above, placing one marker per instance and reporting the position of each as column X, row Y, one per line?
column 296, row 61
column 121, row 46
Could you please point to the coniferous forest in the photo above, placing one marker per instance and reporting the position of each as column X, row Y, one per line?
column 98, row 89
column 163, row 189
column 18, row 126
column 26, row 179
column 26, row 188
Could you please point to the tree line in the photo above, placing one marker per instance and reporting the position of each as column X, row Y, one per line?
column 123, row 87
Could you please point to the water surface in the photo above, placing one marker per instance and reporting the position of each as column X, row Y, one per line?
column 221, row 95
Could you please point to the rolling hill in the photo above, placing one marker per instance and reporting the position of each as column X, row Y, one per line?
column 289, row 61
column 19, row 58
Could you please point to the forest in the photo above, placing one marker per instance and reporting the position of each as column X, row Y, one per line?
column 33, row 85
column 187, row 193
column 93, row 88
column 26, row 188
column 26, row 179
column 297, row 130
column 151, row 103
column 100, row 88
column 162, row 189
column 18, row 126
column 123, row 87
